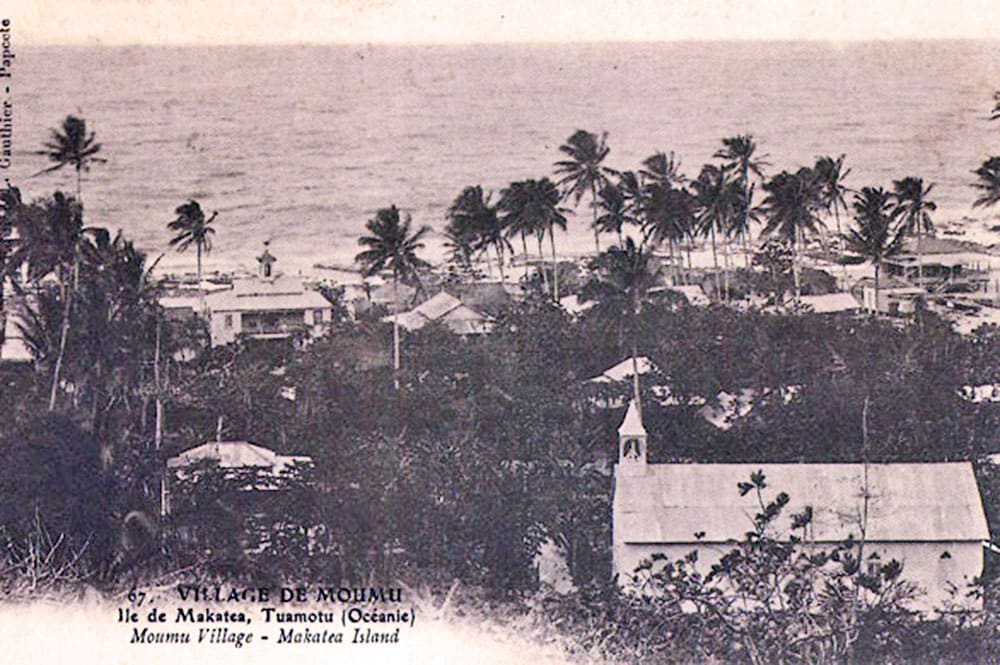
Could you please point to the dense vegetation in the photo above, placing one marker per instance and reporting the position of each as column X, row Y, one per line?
column 438, row 457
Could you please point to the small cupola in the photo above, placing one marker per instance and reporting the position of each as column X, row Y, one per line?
column 266, row 261
column 632, row 439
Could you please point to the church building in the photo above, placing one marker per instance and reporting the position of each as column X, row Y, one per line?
column 929, row 517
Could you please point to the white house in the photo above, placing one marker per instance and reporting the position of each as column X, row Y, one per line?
column 929, row 517
column 267, row 308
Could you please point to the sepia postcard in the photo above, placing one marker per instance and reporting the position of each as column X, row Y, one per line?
column 615, row 331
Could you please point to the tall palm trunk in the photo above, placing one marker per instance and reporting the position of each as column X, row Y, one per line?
column 201, row 287
column 877, row 271
column 920, row 256
column 840, row 237
column 524, row 248
column 636, row 393
column 64, row 332
column 745, row 230
column 158, row 426
column 715, row 262
column 673, row 261
column 489, row 262
column 796, row 268
column 541, row 264
column 499, row 251
column 726, row 264
column 395, row 332
column 555, row 265
column 593, row 205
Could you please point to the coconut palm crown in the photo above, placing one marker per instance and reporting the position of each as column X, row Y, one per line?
column 988, row 183
column 791, row 208
column 391, row 246
column 71, row 145
column 876, row 235
column 532, row 206
column 193, row 228
column 582, row 172
column 914, row 207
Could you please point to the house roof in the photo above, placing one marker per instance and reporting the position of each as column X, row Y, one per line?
column 437, row 306
column 694, row 294
column 266, row 295
column 235, row 455
column 908, row 502
column 831, row 302
column 935, row 245
column 446, row 309
column 382, row 294
column 488, row 296
column 623, row 370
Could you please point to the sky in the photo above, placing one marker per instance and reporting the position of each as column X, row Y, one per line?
column 118, row 22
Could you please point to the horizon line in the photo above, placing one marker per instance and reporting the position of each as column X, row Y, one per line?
column 830, row 41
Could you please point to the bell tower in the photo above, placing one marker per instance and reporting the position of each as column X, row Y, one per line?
column 266, row 261
column 632, row 440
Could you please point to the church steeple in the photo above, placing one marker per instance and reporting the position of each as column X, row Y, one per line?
column 632, row 439
column 266, row 261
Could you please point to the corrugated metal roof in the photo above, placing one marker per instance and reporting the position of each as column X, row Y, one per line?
column 436, row 307
column 233, row 302
column 908, row 502
column 693, row 292
column 447, row 309
column 234, row 455
column 831, row 302
column 623, row 370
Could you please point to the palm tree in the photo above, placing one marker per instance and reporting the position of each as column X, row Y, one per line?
column 193, row 229
column 615, row 211
column 791, row 206
column 392, row 247
column 53, row 240
column 989, row 182
column 661, row 168
column 623, row 277
column 739, row 155
column 582, row 173
column 831, row 174
column 462, row 239
column 472, row 212
column 719, row 200
column 532, row 206
column 72, row 146
column 875, row 236
column 668, row 215
column 913, row 207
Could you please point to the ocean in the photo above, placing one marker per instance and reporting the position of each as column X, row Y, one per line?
column 300, row 145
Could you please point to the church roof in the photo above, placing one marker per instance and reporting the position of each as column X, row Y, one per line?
column 670, row 503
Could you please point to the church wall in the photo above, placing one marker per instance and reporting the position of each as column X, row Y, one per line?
column 923, row 564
